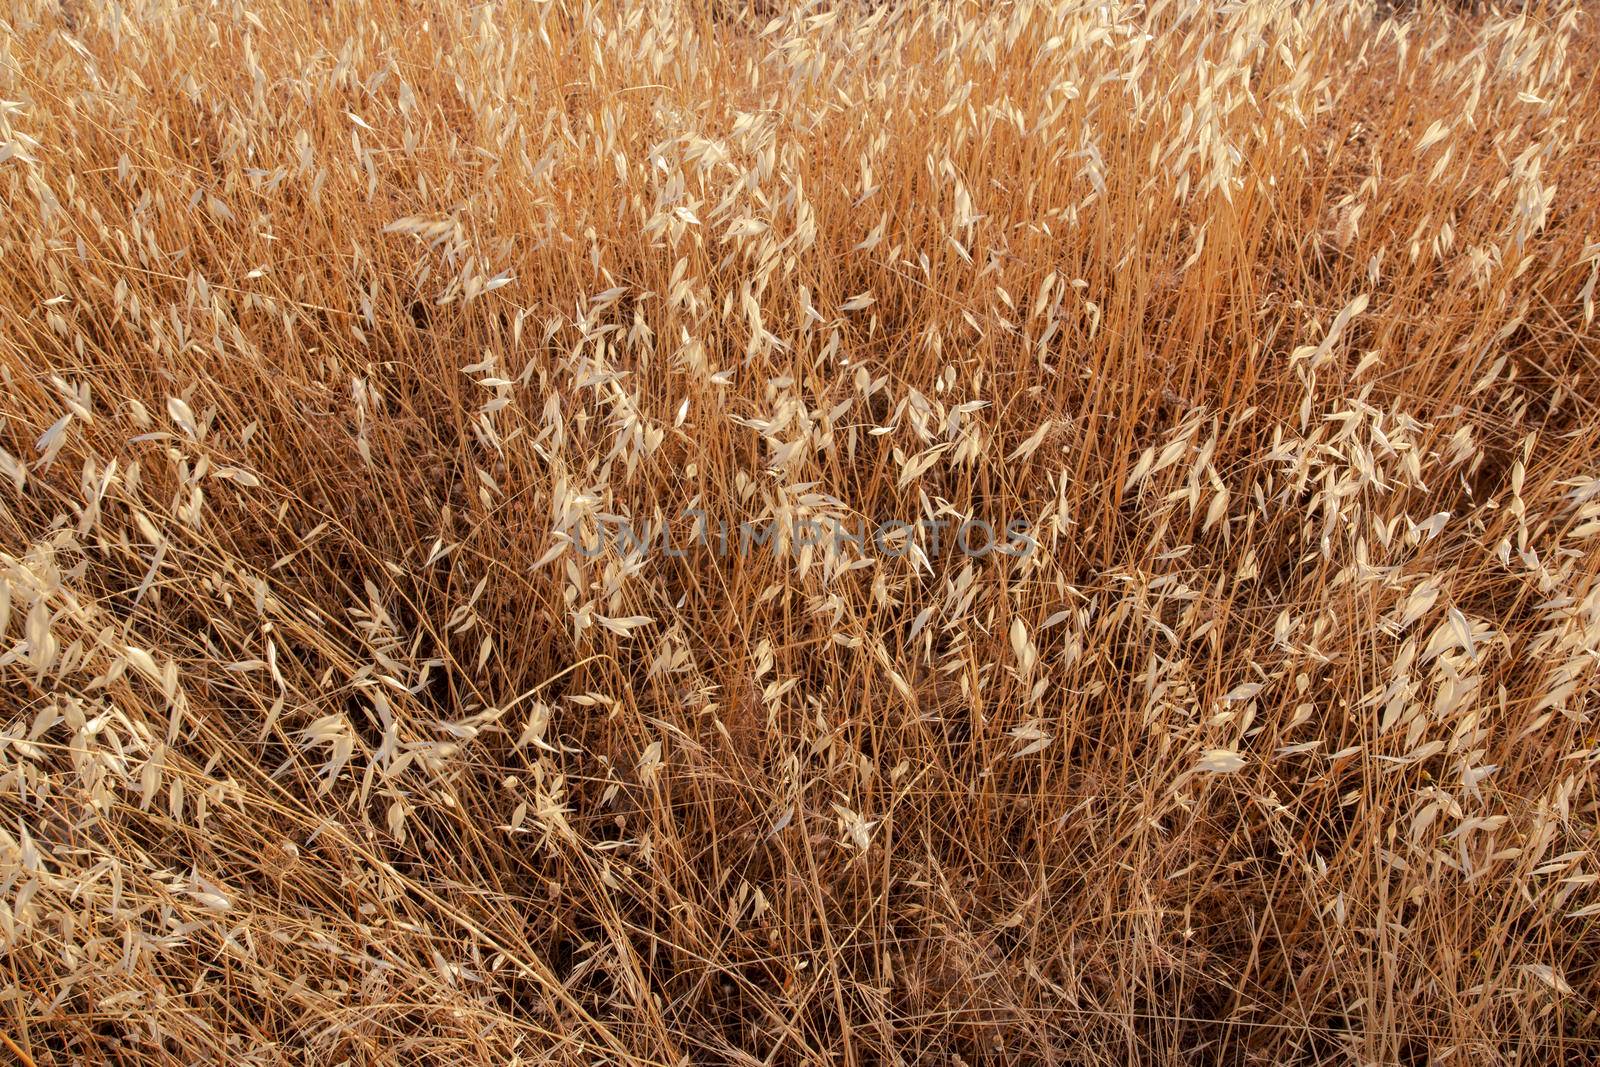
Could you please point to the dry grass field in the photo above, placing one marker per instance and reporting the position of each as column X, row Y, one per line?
column 485, row 502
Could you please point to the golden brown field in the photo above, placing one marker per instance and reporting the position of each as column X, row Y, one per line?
column 354, row 357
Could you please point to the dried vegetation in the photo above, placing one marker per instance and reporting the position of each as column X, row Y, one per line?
column 327, row 327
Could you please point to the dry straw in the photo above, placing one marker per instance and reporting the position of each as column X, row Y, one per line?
column 326, row 328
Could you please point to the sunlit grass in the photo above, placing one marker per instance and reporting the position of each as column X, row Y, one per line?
column 334, row 335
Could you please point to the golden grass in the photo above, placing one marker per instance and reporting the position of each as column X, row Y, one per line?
column 329, row 332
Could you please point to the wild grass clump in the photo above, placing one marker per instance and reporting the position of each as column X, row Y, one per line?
column 342, row 343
